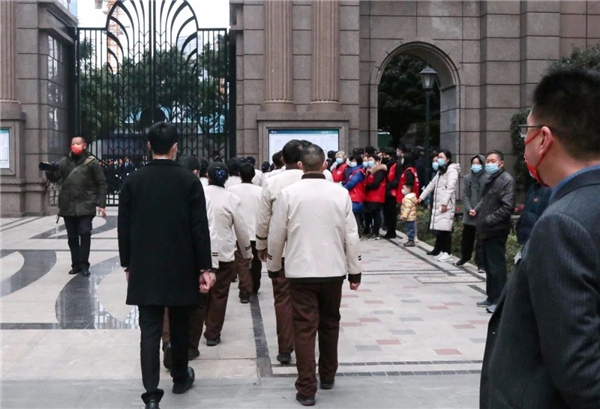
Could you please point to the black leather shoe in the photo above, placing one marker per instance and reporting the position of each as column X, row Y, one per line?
column 168, row 358
column 152, row 405
column 327, row 385
column 193, row 353
column 74, row 271
column 213, row 342
column 285, row 358
column 389, row 236
column 304, row 400
column 461, row 262
column 484, row 304
column 245, row 300
column 179, row 388
column 85, row 271
column 434, row 253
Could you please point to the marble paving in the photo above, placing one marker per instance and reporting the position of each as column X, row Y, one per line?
column 412, row 335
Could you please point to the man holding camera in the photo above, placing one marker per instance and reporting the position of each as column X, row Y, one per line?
column 83, row 188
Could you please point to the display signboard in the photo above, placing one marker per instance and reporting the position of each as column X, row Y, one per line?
column 327, row 139
column 4, row 149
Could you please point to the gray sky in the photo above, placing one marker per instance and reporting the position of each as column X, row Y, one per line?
column 210, row 13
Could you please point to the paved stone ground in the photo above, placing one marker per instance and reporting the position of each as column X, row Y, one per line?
column 411, row 337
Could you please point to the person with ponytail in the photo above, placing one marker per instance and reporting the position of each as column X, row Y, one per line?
column 230, row 225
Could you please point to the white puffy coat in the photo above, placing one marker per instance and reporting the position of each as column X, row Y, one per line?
column 443, row 187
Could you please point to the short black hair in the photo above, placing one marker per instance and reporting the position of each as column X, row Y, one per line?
column 331, row 155
column 277, row 159
column 190, row 162
column 162, row 136
column 358, row 151
column 247, row 172
column 357, row 158
column 83, row 138
column 265, row 167
column 567, row 100
column 251, row 159
column 234, row 166
column 218, row 174
column 203, row 167
column 292, row 152
column 496, row 152
column 313, row 158
column 370, row 150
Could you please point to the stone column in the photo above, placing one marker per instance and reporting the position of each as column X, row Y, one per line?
column 325, row 55
column 278, row 56
column 8, row 54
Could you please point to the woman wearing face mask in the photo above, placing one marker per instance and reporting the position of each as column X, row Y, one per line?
column 443, row 186
column 375, row 195
column 473, row 186
column 338, row 169
column 356, row 187
column 229, row 225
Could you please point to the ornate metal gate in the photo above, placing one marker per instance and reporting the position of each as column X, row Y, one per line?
column 149, row 63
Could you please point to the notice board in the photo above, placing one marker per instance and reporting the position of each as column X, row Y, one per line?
column 327, row 139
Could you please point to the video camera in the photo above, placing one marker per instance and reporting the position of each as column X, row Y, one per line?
column 48, row 166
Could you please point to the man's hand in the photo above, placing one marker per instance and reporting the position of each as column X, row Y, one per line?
column 207, row 281
column 127, row 275
column 102, row 212
column 354, row 286
column 262, row 255
column 473, row 212
column 444, row 208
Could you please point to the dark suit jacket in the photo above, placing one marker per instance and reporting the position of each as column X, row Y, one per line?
column 543, row 348
column 163, row 235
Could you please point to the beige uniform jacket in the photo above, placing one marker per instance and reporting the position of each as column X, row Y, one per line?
column 250, row 196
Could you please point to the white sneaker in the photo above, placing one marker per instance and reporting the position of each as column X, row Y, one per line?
column 446, row 258
column 439, row 256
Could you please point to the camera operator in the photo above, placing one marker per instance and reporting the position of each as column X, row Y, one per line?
column 83, row 187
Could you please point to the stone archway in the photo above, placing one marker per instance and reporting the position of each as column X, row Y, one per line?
column 449, row 85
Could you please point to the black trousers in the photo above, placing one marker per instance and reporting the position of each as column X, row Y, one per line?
column 79, row 234
column 255, row 269
column 151, row 325
column 443, row 242
column 390, row 214
column 372, row 218
column 494, row 259
column 468, row 244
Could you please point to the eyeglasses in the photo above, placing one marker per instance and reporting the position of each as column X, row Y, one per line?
column 523, row 129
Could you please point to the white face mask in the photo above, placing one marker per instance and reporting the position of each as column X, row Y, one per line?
column 405, row 191
column 353, row 164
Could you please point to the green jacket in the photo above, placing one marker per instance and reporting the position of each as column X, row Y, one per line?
column 82, row 190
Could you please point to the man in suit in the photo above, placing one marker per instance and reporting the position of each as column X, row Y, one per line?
column 543, row 348
column 314, row 219
column 164, row 246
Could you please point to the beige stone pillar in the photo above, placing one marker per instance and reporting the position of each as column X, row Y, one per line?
column 278, row 56
column 8, row 54
column 326, row 55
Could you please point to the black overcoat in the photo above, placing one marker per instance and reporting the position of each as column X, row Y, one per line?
column 163, row 235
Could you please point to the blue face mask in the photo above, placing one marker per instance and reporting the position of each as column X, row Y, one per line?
column 441, row 161
column 435, row 166
column 371, row 163
column 353, row 164
column 491, row 168
column 476, row 168
column 339, row 161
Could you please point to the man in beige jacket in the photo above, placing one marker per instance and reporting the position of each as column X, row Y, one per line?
column 291, row 153
column 314, row 219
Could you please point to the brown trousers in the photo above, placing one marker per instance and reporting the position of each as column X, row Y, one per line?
column 316, row 309
column 242, row 269
column 217, row 300
column 283, row 314
column 255, row 269
column 197, row 315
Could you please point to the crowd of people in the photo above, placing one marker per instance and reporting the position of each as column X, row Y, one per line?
column 188, row 228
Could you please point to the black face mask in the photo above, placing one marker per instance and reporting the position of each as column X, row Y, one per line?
column 385, row 161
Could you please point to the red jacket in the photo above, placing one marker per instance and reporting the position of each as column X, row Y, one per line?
column 403, row 179
column 357, row 192
column 376, row 194
column 338, row 173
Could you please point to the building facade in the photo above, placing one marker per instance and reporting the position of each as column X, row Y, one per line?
column 36, row 63
column 317, row 64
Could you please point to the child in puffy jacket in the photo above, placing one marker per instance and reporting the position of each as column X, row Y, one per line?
column 408, row 213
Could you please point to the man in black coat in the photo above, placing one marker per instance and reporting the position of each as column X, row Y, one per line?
column 536, row 202
column 493, row 225
column 164, row 245
column 543, row 347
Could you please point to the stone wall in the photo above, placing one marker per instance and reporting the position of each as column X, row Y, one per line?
column 36, row 113
column 488, row 54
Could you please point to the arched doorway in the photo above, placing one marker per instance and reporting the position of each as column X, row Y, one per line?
column 448, row 85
